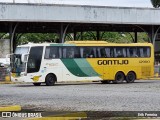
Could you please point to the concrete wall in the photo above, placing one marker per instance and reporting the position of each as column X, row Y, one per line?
column 4, row 50
column 80, row 14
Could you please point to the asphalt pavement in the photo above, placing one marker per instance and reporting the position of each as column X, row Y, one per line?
column 143, row 95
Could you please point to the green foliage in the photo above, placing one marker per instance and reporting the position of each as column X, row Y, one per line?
column 115, row 37
column 155, row 3
column 37, row 38
column 4, row 36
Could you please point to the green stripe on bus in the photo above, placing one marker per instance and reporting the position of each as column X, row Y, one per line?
column 72, row 66
column 86, row 67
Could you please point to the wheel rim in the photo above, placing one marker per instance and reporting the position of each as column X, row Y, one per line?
column 119, row 77
column 131, row 77
column 51, row 80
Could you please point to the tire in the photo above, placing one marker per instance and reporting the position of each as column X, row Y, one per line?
column 130, row 78
column 105, row 81
column 50, row 80
column 119, row 77
column 36, row 84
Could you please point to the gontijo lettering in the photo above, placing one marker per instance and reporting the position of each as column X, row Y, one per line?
column 112, row 62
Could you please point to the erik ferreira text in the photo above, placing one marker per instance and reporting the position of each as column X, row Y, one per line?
column 147, row 115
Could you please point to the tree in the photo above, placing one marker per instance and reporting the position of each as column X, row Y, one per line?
column 37, row 38
column 155, row 3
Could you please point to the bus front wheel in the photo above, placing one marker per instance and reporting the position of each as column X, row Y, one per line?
column 119, row 77
column 50, row 80
column 130, row 78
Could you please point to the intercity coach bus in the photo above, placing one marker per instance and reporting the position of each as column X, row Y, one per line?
column 82, row 61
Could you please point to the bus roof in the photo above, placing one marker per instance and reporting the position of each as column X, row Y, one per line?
column 85, row 43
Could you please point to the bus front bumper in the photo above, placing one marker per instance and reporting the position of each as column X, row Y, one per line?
column 17, row 78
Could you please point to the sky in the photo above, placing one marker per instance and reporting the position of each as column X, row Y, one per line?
column 122, row 3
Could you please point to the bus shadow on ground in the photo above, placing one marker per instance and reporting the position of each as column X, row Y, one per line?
column 57, row 84
column 88, row 83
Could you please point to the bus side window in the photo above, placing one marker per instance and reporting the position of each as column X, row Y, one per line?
column 53, row 52
column 70, row 52
column 112, row 52
column 146, row 51
column 141, row 52
column 81, row 52
column 102, row 52
column 88, row 52
column 47, row 52
column 118, row 52
column 128, row 53
column 132, row 52
column 94, row 52
column 124, row 52
column 107, row 52
column 60, row 52
column 77, row 52
column 99, row 52
column 64, row 52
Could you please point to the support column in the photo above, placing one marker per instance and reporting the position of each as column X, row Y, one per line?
column 81, row 35
column 155, row 34
column 75, row 34
column 61, row 34
column 64, row 33
column 135, row 37
column 14, row 42
column 98, row 35
column 143, row 30
column 10, row 36
column 152, row 35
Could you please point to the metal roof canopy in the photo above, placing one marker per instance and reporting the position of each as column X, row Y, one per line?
column 19, row 12
column 49, row 17
column 58, row 18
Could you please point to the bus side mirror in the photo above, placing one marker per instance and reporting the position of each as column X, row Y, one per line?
column 24, row 58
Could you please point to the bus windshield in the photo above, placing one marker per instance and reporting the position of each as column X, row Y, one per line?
column 17, row 66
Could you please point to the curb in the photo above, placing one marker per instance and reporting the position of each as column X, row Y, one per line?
column 10, row 108
column 156, row 78
column 6, row 82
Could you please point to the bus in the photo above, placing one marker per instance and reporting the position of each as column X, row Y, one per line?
column 82, row 61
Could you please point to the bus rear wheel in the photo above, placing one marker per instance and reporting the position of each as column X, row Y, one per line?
column 36, row 84
column 50, row 80
column 130, row 78
column 119, row 78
